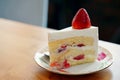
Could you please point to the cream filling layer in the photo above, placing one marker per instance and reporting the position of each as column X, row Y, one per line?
column 82, row 49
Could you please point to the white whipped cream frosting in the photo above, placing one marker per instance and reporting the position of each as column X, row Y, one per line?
column 70, row 32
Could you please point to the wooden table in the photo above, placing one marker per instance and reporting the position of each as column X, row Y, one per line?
column 18, row 44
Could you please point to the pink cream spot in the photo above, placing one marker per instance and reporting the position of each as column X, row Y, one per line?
column 101, row 56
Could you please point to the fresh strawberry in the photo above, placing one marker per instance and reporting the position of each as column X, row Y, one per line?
column 63, row 46
column 80, row 45
column 55, row 64
column 81, row 20
column 66, row 64
column 79, row 57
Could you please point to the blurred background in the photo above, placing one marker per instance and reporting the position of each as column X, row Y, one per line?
column 58, row 14
column 103, row 13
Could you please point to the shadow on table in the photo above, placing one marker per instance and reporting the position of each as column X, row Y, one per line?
column 101, row 75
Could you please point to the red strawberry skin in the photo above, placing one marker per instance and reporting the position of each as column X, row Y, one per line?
column 81, row 20
column 79, row 57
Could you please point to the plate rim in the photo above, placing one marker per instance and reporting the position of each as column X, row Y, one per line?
column 64, row 73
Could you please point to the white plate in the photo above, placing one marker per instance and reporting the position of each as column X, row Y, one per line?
column 42, row 59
